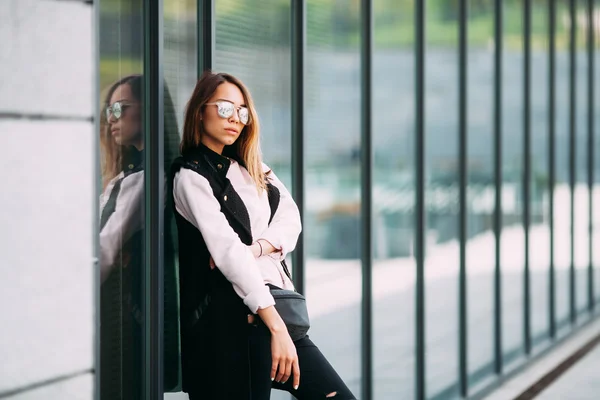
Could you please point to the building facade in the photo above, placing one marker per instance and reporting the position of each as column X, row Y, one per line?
column 443, row 155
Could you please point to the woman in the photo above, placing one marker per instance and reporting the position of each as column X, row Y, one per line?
column 121, row 239
column 234, row 343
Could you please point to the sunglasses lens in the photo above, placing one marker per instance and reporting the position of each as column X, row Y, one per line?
column 224, row 109
column 117, row 110
column 244, row 117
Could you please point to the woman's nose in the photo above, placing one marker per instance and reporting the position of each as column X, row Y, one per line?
column 235, row 117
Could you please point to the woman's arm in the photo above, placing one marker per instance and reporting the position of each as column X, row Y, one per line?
column 195, row 201
column 283, row 231
column 126, row 220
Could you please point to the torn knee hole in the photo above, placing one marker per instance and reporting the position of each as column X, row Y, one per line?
column 331, row 394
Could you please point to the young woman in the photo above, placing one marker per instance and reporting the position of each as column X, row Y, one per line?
column 234, row 343
column 121, row 239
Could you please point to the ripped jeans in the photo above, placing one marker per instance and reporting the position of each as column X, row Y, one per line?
column 318, row 379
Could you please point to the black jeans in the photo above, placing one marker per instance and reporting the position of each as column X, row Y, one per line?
column 317, row 377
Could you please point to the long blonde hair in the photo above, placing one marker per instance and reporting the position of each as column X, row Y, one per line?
column 247, row 147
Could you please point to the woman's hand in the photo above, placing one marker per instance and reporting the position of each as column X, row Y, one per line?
column 262, row 248
column 283, row 351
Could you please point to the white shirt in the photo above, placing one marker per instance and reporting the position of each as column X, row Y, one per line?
column 127, row 219
column 195, row 201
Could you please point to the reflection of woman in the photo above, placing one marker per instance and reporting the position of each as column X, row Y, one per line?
column 121, row 239
column 239, row 348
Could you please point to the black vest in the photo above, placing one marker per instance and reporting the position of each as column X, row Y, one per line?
column 213, row 344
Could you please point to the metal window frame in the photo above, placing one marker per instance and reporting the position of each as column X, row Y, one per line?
column 527, row 172
column 366, row 167
column 153, row 272
column 463, row 155
column 591, row 150
column 420, row 221
column 552, row 160
column 498, row 51
column 572, row 155
column 298, row 20
column 206, row 35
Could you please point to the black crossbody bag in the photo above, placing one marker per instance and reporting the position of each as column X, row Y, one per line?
column 290, row 304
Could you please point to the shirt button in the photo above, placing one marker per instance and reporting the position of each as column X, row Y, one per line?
column 130, row 166
column 220, row 166
column 225, row 197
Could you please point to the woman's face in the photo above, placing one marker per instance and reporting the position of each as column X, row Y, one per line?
column 126, row 130
column 220, row 132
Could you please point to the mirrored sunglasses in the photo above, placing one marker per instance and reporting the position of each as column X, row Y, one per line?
column 116, row 109
column 225, row 109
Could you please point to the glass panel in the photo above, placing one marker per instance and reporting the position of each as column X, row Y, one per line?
column 393, row 198
column 253, row 39
column 562, row 194
column 332, row 175
column 121, row 211
column 582, row 206
column 441, row 198
column 180, row 72
column 512, row 245
column 539, row 232
column 481, row 191
column 596, row 199
column 253, row 43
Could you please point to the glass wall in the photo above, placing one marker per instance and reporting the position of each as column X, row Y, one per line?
column 393, row 199
column 253, row 41
column 121, row 214
column 481, row 191
column 539, row 179
column 512, row 250
column 581, row 248
column 332, row 176
column 441, row 198
column 562, row 195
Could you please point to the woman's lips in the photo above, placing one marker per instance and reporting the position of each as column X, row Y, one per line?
column 232, row 131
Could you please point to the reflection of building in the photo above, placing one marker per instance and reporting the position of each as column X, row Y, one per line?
column 474, row 323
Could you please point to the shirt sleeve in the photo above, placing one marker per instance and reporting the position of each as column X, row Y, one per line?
column 126, row 220
column 195, row 201
column 284, row 229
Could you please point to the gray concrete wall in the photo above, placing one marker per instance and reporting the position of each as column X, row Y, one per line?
column 47, row 209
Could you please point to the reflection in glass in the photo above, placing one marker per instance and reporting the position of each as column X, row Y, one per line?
column 332, row 175
column 121, row 214
column 393, row 197
column 441, row 198
column 512, row 243
column 539, row 231
column 121, row 240
column 481, row 246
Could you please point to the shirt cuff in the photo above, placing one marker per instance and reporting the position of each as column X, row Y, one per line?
column 258, row 299
column 280, row 252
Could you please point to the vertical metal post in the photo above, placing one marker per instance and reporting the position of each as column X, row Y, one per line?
column 366, row 166
column 420, row 222
column 298, row 9
column 462, row 223
column 206, row 35
column 552, row 158
column 153, row 274
column 572, row 150
column 591, row 150
column 498, row 20
column 527, row 172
